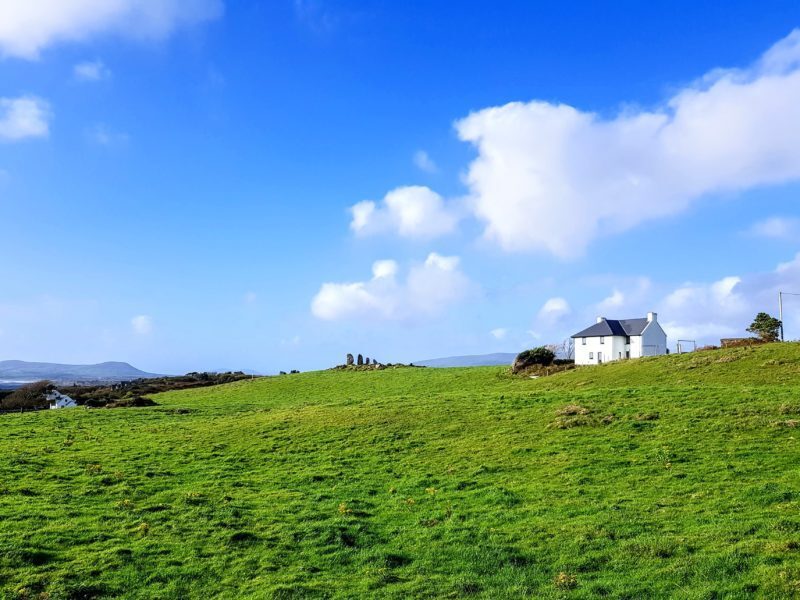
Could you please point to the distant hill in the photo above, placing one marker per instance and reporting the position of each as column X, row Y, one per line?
column 474, row 360
column 18, row 371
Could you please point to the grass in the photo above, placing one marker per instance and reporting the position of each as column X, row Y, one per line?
column 670, row 477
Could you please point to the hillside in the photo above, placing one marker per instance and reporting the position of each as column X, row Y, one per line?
column 668, row 477
column 472, row 360
column 18, row 370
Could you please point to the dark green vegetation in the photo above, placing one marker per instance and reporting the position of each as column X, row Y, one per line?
column 676, row 476
column 766, row 327
column 131, row 392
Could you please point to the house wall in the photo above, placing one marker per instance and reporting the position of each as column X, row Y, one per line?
column 613, row 348
column 636, row 346
column 654, row 340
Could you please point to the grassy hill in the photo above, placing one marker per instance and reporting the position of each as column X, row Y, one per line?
column 676, row 476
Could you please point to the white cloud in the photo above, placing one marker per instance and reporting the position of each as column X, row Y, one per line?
column 24, row 117
column 412, row 211
column 499, row 334
column 550, row 177
column 708, row 311
column 614, row 301
column 93, row 70
column 142, row 324
column 777, row 228
column 633, row 300
column 103, row 136
column 428, row 289
column 28, row 27
column 293, row 341
column 554, row 310
column 424, row 162
column 316, row 16
column 384, row 269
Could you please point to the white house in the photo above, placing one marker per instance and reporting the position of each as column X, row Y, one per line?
column 612, row 339
column 59, row 400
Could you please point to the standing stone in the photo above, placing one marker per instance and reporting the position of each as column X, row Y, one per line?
column 360, row 360
column 366, row 361
column 349, row 360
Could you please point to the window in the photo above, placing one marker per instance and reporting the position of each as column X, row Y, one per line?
column 602, row 340
column 628, row 339
column 591, row 355
column 627, row 353
column 620, row 354
column 583, row 341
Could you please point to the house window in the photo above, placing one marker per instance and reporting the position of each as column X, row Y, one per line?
column 602, row 340
column 628, row 340
column 620, row 354
column 627, row 353
column 591, row 355
column 583, row 341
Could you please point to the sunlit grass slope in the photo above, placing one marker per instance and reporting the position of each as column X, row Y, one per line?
column 669, row 477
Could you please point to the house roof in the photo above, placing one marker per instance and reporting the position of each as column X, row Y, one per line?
column 611, row 327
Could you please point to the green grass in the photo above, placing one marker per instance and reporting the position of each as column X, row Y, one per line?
column 682, row 480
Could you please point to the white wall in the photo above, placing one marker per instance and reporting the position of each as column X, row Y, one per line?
column 613, row 348
column 654, row 340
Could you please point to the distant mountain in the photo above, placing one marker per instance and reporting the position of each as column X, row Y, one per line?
column 475, row 360
column 18, row 371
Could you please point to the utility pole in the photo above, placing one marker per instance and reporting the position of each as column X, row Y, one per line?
column 780, row 307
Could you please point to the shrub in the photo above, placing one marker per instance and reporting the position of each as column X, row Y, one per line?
column 33, row 395
column 536, row 356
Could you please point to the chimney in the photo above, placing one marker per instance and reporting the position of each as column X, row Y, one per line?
column 600, row 319
column 651, row 316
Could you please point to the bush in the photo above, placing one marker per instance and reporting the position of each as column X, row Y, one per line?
column 33, row 395
column 541, row 356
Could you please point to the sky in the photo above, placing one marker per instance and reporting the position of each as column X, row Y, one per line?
column 269, row 185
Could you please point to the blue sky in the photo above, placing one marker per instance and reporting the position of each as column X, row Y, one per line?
column 269, row 185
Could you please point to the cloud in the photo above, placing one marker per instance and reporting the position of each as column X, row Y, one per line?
column 142, row 325
column 315, row 16
column 633, row 299
column 293, row 341
column 27, row 28
column 777, row 228
column 614, row 301
column 499, row 334
column 708, row 311
column 429, row 289
column 553, row 311
column 424, row 162
column 412, row 212
column 91, row 71
column 24, row 117
column 102, row 136
column 552, row 178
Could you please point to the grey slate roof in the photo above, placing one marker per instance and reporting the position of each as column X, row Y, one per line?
column 610, row 327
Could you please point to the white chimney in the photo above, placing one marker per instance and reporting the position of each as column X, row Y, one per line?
column 600, row 319
column 651, row 316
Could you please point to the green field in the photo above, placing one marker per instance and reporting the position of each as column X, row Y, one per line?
column 670, row 477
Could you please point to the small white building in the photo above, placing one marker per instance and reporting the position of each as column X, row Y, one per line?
column 59, row 400
column 612, row 339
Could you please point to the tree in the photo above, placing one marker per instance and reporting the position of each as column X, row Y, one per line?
column 766, row 327
column 564, row 350
column 33, row 395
